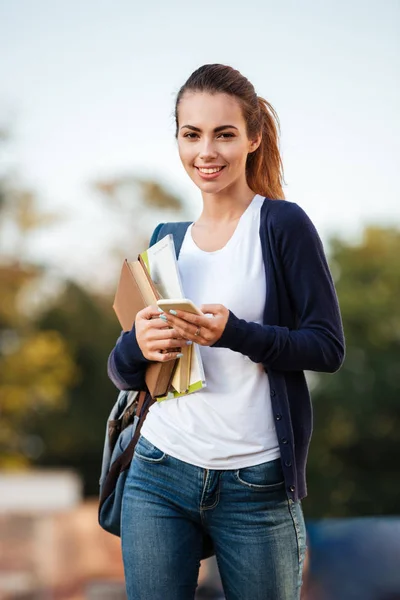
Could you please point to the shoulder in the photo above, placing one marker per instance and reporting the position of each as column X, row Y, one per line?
column 154, row 236
column 283, row 212
column 286, row 218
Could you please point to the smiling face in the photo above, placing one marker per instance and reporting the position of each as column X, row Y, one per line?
column 212, row 140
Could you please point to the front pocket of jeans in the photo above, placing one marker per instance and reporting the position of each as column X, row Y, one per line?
column 146, row 451
column 267, row 476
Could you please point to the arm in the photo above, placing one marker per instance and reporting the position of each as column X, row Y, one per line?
column 317, row 344
column 126, row 364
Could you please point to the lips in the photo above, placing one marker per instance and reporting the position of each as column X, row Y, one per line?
column 210, row 172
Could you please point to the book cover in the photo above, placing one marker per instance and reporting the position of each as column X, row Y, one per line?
column 134, row 292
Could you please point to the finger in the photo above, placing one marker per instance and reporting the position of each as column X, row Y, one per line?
column 182, row 328
column 166, row 333
column 166, row 356
column 182, row 318
column 158, row 324
column 199, row 340
column 155, row 345
column 148, row 313
column 187, row 333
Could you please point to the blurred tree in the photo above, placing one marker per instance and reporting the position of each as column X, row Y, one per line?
column 133, row 192
column 74, row 436
column 352, row 465
column 136, row 203
column 35, row 367
column 20, row 217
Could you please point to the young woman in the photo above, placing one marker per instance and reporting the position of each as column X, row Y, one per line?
column 229, row 461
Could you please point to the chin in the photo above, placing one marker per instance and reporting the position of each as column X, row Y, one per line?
column 209, row 187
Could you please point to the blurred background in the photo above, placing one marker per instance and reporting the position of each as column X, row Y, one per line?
column 89, row 167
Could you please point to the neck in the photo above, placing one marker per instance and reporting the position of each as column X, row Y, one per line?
column 226, row 206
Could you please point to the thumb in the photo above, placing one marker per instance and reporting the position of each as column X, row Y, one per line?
column 211, row 309
column 148, row 313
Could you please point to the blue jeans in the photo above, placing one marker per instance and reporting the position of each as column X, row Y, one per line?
column 258, row 532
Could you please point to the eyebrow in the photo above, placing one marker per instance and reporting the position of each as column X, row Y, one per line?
column 216, row 130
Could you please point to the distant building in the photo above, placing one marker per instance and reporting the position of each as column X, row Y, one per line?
column 39, row 491
column 51, row 546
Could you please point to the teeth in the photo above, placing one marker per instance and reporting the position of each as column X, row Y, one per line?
column 210, row 170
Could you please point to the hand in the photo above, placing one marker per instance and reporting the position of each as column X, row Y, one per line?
column 157, row 341
column 209, row 329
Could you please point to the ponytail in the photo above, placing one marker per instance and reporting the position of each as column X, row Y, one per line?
column 264, row 169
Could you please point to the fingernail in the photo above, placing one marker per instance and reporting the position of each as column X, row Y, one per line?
column 189, row 342
column 160, row 309
column 179, row 355
column 164, row 318
column 173, row 312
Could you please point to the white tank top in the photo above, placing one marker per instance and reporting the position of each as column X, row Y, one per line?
column 229, row 424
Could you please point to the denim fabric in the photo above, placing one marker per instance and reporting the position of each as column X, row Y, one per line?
column 258, row 531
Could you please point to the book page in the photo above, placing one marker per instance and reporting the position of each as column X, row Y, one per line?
column 162, row 265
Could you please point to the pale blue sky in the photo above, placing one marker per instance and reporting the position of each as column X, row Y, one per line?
column 88, row 87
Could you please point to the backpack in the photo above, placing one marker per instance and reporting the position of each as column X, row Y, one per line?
column 123, row 429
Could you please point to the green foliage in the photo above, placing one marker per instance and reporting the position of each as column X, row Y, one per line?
column 352, row 465
column 36, row 367
column 73, row 437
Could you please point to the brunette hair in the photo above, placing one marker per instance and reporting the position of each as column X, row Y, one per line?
column 264, row 169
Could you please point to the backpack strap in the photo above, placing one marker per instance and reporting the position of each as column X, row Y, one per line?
column 141, row 401
column 122, row 463
column 178, row 230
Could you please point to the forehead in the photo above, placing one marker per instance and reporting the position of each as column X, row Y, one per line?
column 205, row 110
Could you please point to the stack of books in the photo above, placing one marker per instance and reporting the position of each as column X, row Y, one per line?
column 153, row 276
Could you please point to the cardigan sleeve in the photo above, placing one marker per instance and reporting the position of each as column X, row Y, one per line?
column 317, row 342
column 126, row 365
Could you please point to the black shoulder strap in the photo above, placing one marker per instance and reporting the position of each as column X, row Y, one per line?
column 178, row 230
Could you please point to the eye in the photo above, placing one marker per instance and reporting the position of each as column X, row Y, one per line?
column 190, row 135
column 226, row 135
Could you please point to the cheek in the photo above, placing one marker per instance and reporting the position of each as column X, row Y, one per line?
column 185, row 153
column 237, row 155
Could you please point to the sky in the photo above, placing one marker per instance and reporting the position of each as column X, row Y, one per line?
column 87, row 90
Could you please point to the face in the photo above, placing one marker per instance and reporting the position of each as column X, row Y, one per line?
column 212, row 140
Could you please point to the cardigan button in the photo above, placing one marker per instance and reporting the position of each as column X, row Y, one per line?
column 273, row 392
column 284, row 441
column 291, row 488
column 288, row 463
column 278, row 417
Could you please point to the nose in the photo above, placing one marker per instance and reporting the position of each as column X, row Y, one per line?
column 207, row 150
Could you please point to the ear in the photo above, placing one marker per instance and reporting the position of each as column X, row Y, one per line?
column 254, row 144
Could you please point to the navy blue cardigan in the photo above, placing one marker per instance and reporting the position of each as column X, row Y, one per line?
column 302, row 330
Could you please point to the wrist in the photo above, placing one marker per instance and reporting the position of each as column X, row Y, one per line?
column 228, row 335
